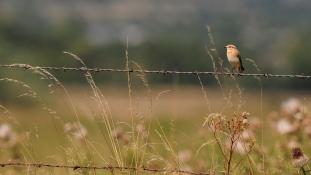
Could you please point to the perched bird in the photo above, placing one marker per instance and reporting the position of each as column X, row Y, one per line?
column 234, row 58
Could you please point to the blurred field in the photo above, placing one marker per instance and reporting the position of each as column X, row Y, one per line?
column 229, row 125
column 167, row 123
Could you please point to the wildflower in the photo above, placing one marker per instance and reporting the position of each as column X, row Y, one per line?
column 5, row 132
column 247, row 135
column 120, row 135
column 142, row 131
column 117, row 133
column 299, row 159
column 293, row 144
column 245, row 122
column 241, row 147
column 291, row 106
column 76, row 130
column 283, row 126
column 245, row 114
column 8, row 138
column 184, row 155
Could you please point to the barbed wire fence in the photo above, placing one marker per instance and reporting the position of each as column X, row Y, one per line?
column 107, row 168
column 161, row 72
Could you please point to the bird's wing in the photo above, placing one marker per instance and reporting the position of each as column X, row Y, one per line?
column 239, row 56
column 240, row 59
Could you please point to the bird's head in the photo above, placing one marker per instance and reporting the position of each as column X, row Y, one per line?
column 231, row 47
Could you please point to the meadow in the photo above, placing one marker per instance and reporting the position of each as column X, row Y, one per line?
column 153, row 91
column 176, row 129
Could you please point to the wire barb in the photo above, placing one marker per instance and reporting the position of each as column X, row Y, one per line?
column 164, row 72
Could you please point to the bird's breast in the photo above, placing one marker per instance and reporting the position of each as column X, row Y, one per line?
column 233, row 59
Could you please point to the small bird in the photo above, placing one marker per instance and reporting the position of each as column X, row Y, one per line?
column 234, row 58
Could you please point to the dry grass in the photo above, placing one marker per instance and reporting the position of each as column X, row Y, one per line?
column 220, row 130
column 172, row 136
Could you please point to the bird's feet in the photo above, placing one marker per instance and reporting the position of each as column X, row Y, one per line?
column 232, row 71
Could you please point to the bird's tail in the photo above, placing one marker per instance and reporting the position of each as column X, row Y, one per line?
column 241, row 69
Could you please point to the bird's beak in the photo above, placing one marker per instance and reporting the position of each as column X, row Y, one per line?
column 225, row 47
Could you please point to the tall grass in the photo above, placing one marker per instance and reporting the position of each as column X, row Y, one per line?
column 222, row 139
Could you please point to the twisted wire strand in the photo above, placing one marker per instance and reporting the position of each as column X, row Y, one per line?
column 110, row 168
column 164, row 72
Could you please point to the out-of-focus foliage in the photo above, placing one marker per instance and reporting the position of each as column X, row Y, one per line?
column 161, row 34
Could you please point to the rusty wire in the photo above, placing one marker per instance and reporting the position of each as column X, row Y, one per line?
column 164, row 72
column 108, row 168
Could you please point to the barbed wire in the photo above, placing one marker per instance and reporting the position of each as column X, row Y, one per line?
column 165, row 72
column 108, row 168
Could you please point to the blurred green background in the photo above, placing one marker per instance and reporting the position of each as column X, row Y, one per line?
column 161, row 34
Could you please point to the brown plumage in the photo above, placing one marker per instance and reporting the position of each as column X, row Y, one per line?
column 234, row 58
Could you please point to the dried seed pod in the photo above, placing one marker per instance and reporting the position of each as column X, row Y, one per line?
column 299, row 159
